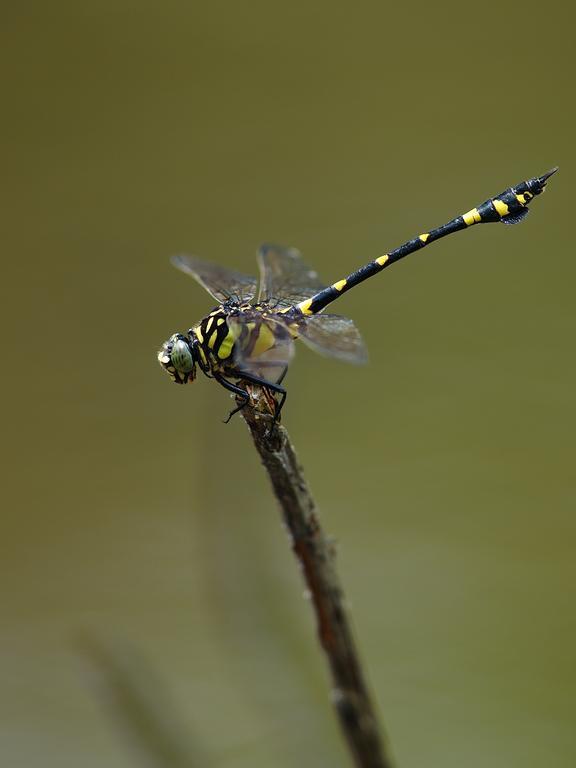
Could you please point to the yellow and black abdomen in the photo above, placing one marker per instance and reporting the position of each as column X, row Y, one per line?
column 510, row 206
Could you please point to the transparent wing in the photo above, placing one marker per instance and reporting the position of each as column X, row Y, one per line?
column 222, row 283
column 284, row 278
column 334, row 336
column 263, row 347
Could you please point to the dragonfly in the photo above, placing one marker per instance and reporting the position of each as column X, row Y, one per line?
column 247, row 340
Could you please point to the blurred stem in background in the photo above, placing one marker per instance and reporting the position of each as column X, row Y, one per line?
column 139, row 704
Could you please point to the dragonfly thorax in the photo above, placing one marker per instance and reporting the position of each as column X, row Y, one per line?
column 239, row 335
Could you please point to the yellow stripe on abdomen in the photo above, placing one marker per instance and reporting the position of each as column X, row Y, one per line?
column 472, row 217
column 501, row 207
column 304, row 307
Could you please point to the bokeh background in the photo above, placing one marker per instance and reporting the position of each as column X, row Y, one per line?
column 152, row 614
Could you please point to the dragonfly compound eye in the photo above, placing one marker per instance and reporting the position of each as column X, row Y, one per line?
column 177, row 358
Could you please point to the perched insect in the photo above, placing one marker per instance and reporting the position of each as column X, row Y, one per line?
column 248, row 339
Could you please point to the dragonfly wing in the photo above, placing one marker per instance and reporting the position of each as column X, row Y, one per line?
column 334, row 336
column 284, row 278
column 262, row 347
column 224, row 284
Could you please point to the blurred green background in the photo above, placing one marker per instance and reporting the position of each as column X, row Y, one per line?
column 135, row 521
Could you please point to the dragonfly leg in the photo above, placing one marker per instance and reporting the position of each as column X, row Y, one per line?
column 238, row 391
column 274, row 387
column 281, row 379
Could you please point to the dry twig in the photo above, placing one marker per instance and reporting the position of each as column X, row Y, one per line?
column 316, row 556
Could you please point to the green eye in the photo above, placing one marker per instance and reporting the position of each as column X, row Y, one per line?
column 181, row 357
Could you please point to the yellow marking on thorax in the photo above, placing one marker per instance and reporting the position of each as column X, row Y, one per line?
column 501, row 207
column 381, row 260
column 220, row 321
column 293, row 328
column 472, row 217
column 339, row 285
column 424, row 237
column 203, row 356
column 209, row 325
column 225, row 348
column 265, row 340
column 198, row 333
column 304, row 307
column 212, row 339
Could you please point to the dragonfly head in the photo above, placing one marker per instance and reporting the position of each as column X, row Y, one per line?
column 178, row 358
